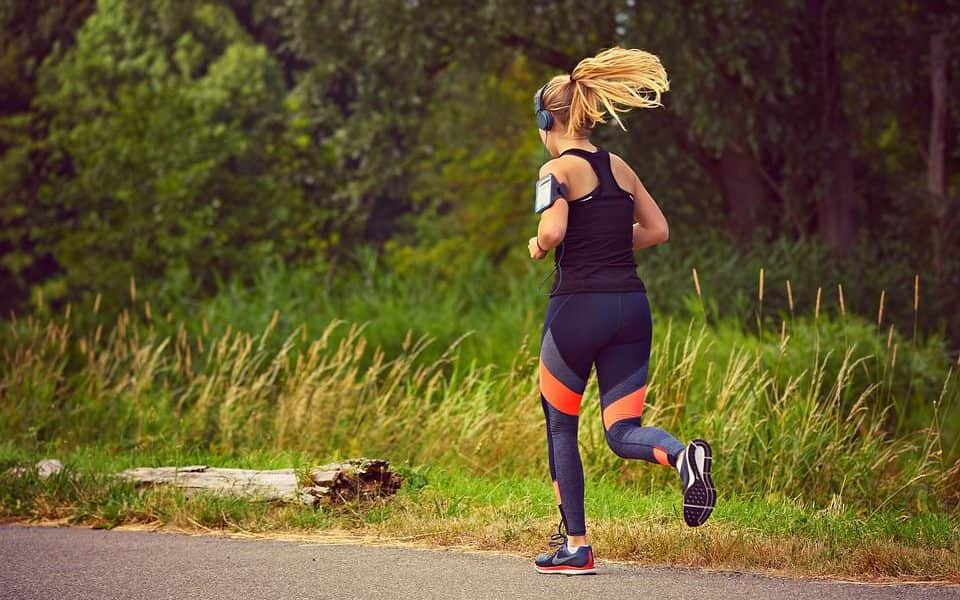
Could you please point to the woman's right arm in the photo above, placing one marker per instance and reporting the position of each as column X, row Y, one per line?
column 650, row 226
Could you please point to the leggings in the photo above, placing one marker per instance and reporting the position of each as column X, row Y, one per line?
column 613, row 331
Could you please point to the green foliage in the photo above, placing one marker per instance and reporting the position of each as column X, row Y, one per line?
column 28, row 31
column 479, row 201
column 179, row 143
column 370, row 82
column 178, row 155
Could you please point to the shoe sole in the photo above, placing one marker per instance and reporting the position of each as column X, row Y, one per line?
column 561, row 570
column 700, row 498
column 706, row 476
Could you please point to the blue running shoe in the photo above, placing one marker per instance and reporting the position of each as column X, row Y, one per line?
column 699, row 495
column 563, row 561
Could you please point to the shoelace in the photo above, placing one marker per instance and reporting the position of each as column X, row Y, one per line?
column 559, row 539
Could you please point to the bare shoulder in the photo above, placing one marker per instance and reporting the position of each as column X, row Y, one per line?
column 623, row 173
column 621, row 170
column 548, row 167
column 560, row 166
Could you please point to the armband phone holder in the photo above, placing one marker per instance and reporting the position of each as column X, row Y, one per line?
column 548, row 190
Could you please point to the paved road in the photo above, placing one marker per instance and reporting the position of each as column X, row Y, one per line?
column 72, row 563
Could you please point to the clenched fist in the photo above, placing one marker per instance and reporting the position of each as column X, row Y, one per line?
column 535, row 252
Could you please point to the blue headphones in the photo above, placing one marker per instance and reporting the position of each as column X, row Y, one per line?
column 544, row 116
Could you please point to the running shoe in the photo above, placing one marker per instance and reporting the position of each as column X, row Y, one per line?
column 699, row 495
column 564, row 562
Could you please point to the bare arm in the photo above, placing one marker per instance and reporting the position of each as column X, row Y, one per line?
column 650, row 227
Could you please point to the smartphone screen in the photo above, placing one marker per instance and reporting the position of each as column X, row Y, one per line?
column 544, row 193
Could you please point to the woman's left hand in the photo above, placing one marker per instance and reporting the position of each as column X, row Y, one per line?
column 535, row 252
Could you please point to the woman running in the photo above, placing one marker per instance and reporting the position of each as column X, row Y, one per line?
column 598, row 312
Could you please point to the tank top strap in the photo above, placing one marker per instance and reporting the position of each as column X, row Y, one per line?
column 600, row 162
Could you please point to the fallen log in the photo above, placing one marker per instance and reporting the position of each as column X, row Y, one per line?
column 272, row 486
column 354, row 479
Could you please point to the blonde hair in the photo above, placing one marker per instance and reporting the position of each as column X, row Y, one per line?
column 612, row 82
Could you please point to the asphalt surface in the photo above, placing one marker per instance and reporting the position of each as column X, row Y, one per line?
column 70, row 563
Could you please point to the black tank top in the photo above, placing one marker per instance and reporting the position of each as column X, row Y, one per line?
column 597, row 252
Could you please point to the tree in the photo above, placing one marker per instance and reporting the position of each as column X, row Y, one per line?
column 369, row 83
column 170, row 124
column 29, row 29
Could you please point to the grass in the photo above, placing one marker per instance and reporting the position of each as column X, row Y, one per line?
column 450, row 507
column 503, row 302
column 793, row 417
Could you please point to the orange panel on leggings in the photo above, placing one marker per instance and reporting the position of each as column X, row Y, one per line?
column 628, row 407
column 557, row 394
column 661, row 456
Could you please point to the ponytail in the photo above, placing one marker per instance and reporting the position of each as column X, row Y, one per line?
column 614, row 81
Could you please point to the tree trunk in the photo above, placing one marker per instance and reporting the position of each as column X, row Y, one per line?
column 838, row 205
column 744, row 190
column 741, row 179
column 838, row 208
column 936, row 178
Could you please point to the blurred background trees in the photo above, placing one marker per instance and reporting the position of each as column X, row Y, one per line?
column 185, row 144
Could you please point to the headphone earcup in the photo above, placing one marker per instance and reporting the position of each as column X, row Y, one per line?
column 544, row 119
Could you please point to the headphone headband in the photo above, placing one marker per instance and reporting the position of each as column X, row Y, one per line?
column 544, row 116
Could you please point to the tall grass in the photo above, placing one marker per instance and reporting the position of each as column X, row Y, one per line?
column 504, row 301
column 805, row 414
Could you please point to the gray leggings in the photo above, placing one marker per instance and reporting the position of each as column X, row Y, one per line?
column 611, row 330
